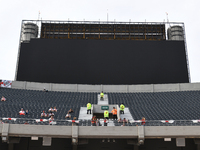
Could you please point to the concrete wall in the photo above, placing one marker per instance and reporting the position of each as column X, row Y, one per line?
column 40, row 130
column 114, row 88
column 106, row 88
column 102, row 131
column 64, row 87
column 172, row 131
column 141, row 88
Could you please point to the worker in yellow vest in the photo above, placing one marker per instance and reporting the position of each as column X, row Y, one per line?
column 122, row 107
column 89, row 106
column 101, row 95
column 106, row 114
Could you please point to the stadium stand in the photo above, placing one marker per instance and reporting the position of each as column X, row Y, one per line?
column 150, row 87
column 37, row 101
column 183, row 105
column 161, row 109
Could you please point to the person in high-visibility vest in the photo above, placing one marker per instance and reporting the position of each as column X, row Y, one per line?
column 89, row 106
column 101, row 95
column 114, row 113
column 106, row 114
column 122, row 107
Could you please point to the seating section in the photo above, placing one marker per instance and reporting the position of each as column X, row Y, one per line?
column 182, row 105
column 37, row 101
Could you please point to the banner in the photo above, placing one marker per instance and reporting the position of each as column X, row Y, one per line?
column 5, row 83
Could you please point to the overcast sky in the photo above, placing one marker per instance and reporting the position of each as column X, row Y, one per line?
column 12, row 12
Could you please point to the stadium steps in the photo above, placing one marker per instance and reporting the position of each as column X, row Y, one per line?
column 104, row 101
column 83, row 114
column 126, row 114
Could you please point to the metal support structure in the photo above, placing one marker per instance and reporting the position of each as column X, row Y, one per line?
column 186, row 52
column 18, row 54
column 103, row 30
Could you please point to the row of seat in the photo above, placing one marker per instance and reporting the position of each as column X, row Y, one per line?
column 38, row 101
column 116, row 123
column 182, row 105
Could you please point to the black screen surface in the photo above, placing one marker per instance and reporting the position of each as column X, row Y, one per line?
column 102, row 61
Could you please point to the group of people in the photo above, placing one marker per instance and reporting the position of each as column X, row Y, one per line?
column 95, row 121
column 124, row 121
column 50, row 113
column 106, row 112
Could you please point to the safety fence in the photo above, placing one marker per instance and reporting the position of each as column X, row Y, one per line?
column 110, row 122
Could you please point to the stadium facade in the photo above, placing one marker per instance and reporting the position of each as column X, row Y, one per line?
column 143, row 64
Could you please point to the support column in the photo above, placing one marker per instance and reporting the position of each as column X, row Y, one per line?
column 74, row 135
column 140, row 135
column 25, row 83
column 127, row 88
column 153, row 88
column 50, row 87
column 5, row 130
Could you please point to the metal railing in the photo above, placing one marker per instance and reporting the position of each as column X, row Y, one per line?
column 68, row 122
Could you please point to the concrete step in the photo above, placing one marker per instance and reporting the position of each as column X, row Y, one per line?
column 83, row 114
column 126, row 115
column 104, row 101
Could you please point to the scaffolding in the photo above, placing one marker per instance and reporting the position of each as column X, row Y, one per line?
column 103, row 31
